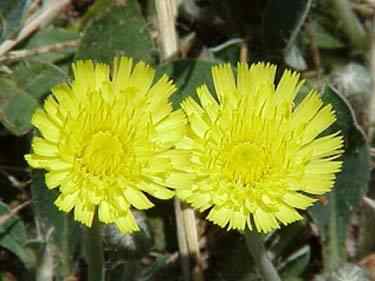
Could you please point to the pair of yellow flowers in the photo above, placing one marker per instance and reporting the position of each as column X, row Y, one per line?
column 247, row 154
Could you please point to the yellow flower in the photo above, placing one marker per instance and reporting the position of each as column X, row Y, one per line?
column 107, row 137
column 256, row 157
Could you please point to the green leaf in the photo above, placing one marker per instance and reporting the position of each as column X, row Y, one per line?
column 229, row 51
column 351, row 184
column 50, row 36
column 288, row 238
column 283, row 21
column 64, row 230
column 188, row 75
column 148, row 273
column 98, row 8
column 20, row 93
column 11, row 15
column 18, row 112
column 37, row 78
column 325, row 39
column 119, row 31
column 233, row 261
column 296, row 263
column 13, row 236
column 294, row 58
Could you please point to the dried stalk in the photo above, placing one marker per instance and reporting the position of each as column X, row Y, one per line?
column 182, row 241
column 21, row 54
column 13, row 212
column 185, row 216
column 166, row 13
column 30, row 27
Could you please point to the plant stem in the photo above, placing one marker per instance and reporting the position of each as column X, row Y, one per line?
column 94, row 252
column 66, row 258
column 182, row 243
column 166, row 11
column 351, row 26
column 256, row 248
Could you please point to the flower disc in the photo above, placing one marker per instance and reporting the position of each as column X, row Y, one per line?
column 256, row 157
column 107, row 137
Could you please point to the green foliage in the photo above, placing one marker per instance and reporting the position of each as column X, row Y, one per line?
column 300, row 34
column 324, row 38
column 187, row 74
column 296, row 263
column 351, row 184
column 48, row 37
column 11, row 16
column 20, row 93
column 59, row 232
column 282, row 23
column 122, row 31
column 13, row 236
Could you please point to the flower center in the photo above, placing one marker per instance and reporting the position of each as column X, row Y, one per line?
column 247, row 164
column 103, row 154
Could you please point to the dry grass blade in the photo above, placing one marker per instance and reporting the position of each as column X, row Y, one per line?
column 13, row 212
column 21, row 54
column 50, row 12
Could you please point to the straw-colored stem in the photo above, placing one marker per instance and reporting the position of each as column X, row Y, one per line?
column 181, row 239
column 33, row 24
column 185, row 217
column 166, row 13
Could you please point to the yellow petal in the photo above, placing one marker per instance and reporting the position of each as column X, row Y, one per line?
column 68, row 102
column 137, row 198
column 122, row 67
column 219, row 216
column 101, row 74
column 225, row 84
column 156, row 190
column 106, row 212
column 66, row 202
column 127, row 224
column 287, row 215
column 52, row 108
column 264, row 221
column 194, row 114
column 171, row 129
column 141, row 77
column 37, row 161
column 48, row 129
column 56, row 178
column 298, row 200
column 322, row 120
column 84, row 72
column 159, row 94
column 84, row 212
column 43, row 147
column 208, row 102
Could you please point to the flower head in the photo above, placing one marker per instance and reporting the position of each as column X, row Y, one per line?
column 256, row 157
column 106, row 138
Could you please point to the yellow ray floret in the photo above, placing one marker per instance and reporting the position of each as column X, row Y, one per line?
column 255, row 157
column 107, row 139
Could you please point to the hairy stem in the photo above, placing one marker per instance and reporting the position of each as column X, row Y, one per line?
column 256, row 248
column 94, row 252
